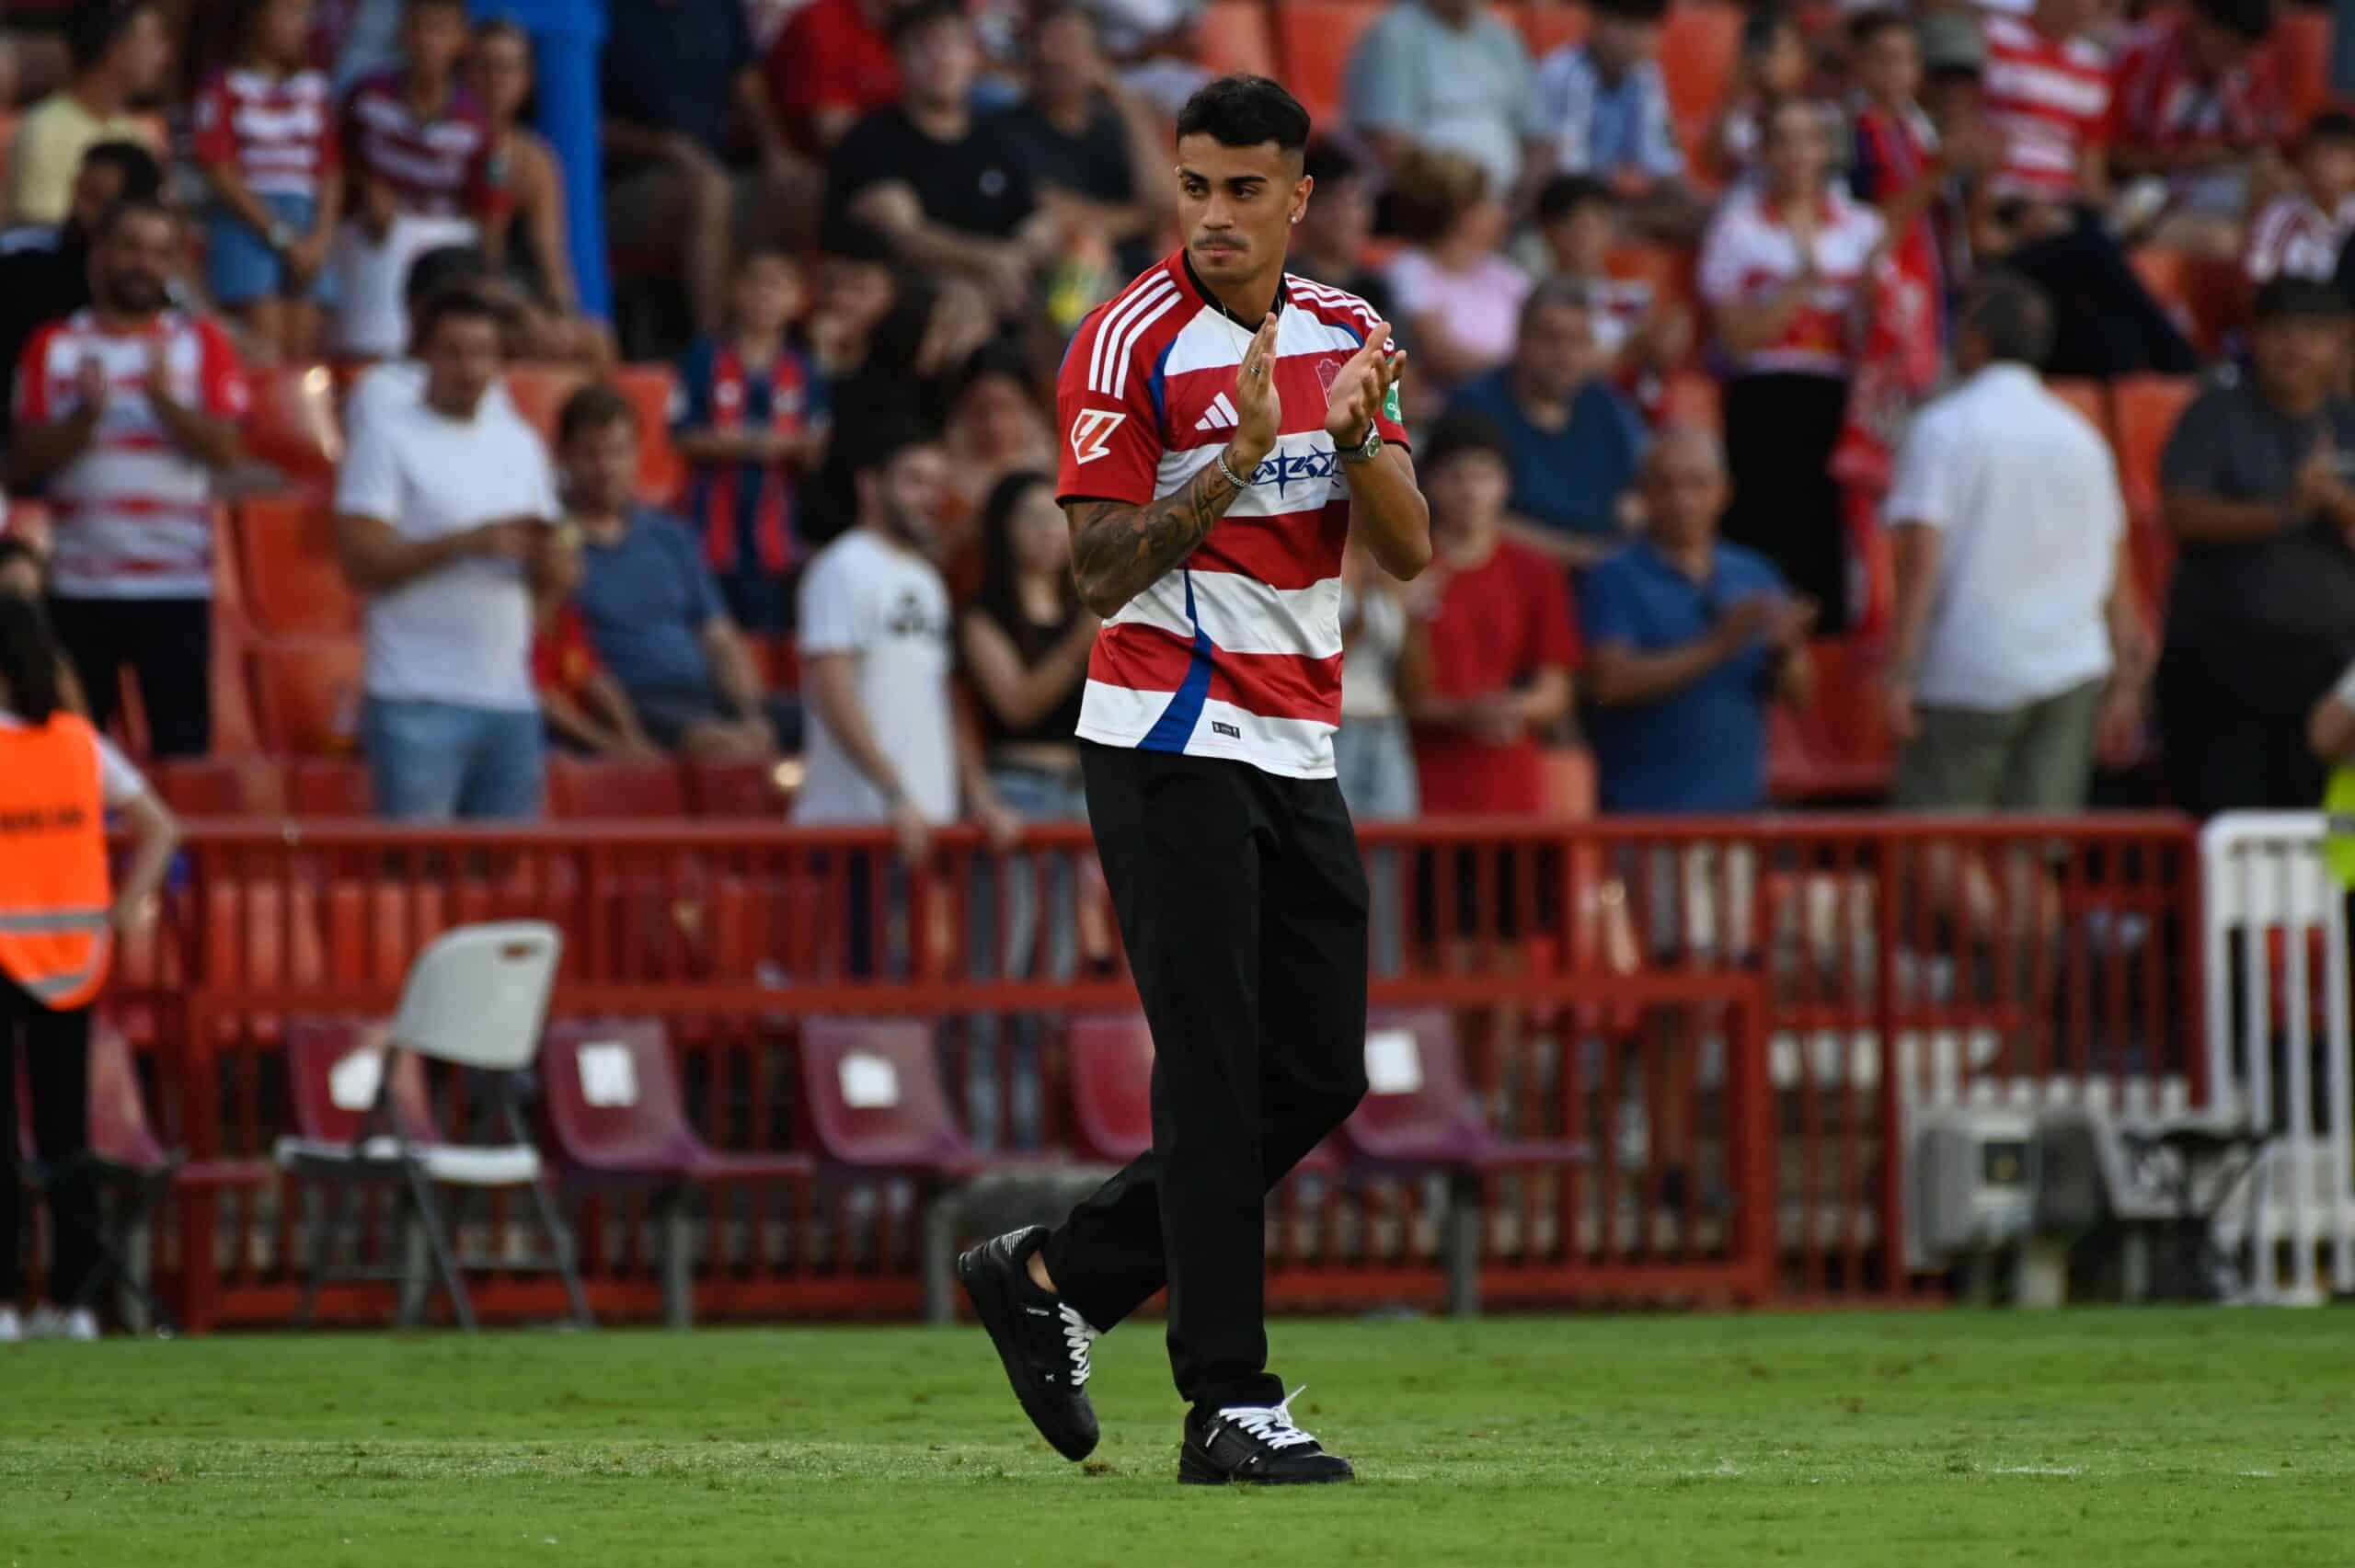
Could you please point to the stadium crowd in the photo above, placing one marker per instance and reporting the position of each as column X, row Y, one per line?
column 1668, row 359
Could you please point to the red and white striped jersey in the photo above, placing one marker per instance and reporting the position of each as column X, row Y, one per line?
column 2049, row 101
column 2295, row 238
column 1237, row 652
column 133, row 512
column 278, row 131
column 1749, row 253
column 440, row 167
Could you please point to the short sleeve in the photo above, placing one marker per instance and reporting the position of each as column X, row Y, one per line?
column 2196, row 451
column 545, row 501
column 1110, row 435
column 212, row 135
column 221, row 375
column 1923, row 488
column 41, row 170
column 119, row 781
column 829, row 608
column 369, row 483
column 30, row 398
column 1380, row 86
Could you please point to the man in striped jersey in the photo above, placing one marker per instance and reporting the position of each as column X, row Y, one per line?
column 1226, row 426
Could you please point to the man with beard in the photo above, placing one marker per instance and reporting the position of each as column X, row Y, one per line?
column 124, row 410
column 45, row 268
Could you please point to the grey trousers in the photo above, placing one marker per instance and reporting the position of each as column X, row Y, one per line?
column 2036, row 758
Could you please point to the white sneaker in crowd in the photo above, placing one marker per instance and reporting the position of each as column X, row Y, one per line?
column 49, row 1322
column 12, row 1327
column 81, row 1325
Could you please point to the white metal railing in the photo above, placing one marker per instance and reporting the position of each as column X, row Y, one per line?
column 2280, row 1055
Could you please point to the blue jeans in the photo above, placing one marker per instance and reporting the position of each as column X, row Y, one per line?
column 434, row 762
column 1017, row 947
column 1376, row 764
column 239, row 265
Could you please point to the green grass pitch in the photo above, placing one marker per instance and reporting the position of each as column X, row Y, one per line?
column 1938, row 1436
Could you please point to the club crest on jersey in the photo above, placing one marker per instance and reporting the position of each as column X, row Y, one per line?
column 1328, row 370
column 1092, row 432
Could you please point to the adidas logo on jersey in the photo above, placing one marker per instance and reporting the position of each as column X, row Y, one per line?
column 1221, row 416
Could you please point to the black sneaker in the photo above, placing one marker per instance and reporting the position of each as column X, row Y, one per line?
column 1042, row 1338
column 1258, row 1443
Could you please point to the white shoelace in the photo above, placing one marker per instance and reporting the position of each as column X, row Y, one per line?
column 1077, row 1339
column 1271, row 1423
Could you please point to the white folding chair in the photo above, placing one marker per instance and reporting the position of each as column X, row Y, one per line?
column 475, row 997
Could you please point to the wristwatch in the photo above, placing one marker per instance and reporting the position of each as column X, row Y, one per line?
column 1365, row 451
column 281, row 234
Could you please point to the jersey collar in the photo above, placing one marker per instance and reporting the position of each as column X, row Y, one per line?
column 1202, row 292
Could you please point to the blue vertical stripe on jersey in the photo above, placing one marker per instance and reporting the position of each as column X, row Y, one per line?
column 1176, row 726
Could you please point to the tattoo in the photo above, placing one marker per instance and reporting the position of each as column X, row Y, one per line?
column 1118, row 550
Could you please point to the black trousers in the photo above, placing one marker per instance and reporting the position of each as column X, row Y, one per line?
column 2225, row 751
column 56, row 1047
column 2104, row 323
column 167, row 642
column 1243, row 905
column 1780, row 430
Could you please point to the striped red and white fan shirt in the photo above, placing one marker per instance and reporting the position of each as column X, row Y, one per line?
column 1235, row 653
column 278, row 131
column 133, row 512
column 2294, row 237
column 1750, row 252
column 2049, row 101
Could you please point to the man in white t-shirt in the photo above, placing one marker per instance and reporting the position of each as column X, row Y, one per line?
column 2019, row 642
column 445, row 512
column 882, row 743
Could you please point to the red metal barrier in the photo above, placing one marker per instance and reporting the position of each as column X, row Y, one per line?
column 1747, row 1004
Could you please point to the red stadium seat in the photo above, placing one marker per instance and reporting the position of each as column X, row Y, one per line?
column 1112, row 1078
column 1317, row 39
column 1839, row 747
column 876, row 1103
column 2148, row 408
column 328, row 786
column 2300, row 46
column 307, row 689
column 294, row 426
column 1698, row 45
column 2090, row 398
column 1235, row 38
column 293, row 581
column 539, row 392
column 661, row 472
column 1547, row 25
column 234, row 728
column 581, row 788
column 735, row 789
column 222, row 786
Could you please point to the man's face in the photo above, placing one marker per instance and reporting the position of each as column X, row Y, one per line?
column 938, row 61
column 1619, row 44
column 1467, row 496
column 96, row 186
column 1581, row 239
column 1889, row 65
column 462, row 358
column 2297, row 357
column 433, row 40
column 601, row 467
column 908, row 492
column 1065, row 53
column 139, row 56
column 1792, row 150
column 2329, row 167
column 1235, row 205
column 130, row 268
column 1685, row 492
column 766, row 294
column 1558, row 353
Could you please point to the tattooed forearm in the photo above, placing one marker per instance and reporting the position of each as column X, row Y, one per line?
column 1116, row 550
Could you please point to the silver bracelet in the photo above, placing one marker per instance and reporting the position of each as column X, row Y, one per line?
column 1240, row 484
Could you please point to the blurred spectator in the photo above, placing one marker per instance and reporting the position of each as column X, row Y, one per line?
column 1772, row 65
column 1606, row 109
column 1449, row 77
column 2199, row 114
column 2019, row 638
column 1688, row 640
column 419, row 172
column 24, row 574
column 2260, row 617
column 1458, row 299
column 1578, row 227
column 1489, row 627
column 2303, row 233
column 526, row 236
column 1156, row 46
column 680, row 75
column 1374, row 759
column 996, row 426
column 653, row 613
column 1091, row 148
column 265, row 135
column 1780, row 272
column 1899, row 163
column 45, row 270
column 584, row 708
column 831, row 65
column 951, row 193
column 1329, row 243
column 445, row 521
column 2040, row 210
column 752, row 420
column 125, row 411
column 878, row 338
column 1572, row 442
column 883, row 742
column 444, row 269
column 118, row 49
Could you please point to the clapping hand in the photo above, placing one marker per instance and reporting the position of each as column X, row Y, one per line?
column 1363, row 386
